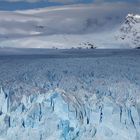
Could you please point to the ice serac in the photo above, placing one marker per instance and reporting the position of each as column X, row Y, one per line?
column 59, row 115
column 130, row 31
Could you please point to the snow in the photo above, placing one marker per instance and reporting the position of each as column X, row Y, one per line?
column 78, row 94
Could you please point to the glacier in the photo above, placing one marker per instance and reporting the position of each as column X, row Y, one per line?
column 72, row 95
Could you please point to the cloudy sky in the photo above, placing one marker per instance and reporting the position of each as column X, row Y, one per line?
column 28, row 4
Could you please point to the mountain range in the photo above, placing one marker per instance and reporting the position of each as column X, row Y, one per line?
column 76, row 26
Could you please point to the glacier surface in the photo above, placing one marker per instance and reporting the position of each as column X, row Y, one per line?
column 93, row 96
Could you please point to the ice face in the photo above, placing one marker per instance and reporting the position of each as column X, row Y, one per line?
column 93, row 98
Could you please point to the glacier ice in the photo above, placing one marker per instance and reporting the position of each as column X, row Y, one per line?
column 95, row 98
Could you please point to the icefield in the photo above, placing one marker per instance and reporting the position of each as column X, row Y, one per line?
column 70, row 95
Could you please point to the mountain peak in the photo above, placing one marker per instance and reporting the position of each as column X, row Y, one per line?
column 132, row 18
column 129, row 32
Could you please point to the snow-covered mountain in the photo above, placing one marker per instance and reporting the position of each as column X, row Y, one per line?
column 130, row 31
column 63, row 27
